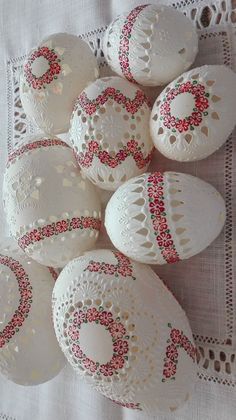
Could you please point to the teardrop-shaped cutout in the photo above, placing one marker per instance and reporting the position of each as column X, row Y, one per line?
column 111, row 179
column 146, row 45
column 146, row 70
column 184, row 241
column 180, row 80
column 195, row 76
column 147, row 245
column 145, row 58
column 215, row 98
column 182, row 51
column 138, row 190
column 148, row 32
column 180, row 230
column 142, row 232
column 172, row 139
column 204, row 130
column 177, row 217
column 140, row 202
column 123, row 179
column 155, row 117
column 140, row 217
column 160, row 131
column 188, row 138
column 210, row 82
column 215, row 116
column 100, row 178
column 176, row 203
column 151, row 254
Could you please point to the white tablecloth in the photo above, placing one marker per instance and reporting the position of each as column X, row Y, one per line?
column 204, row 285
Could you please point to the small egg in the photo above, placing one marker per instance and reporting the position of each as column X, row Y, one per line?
column 110, row 132
column 195, row 113
column 53, row 211
column 29, row 352
column 164, row 217
column 53, row 75
column 124, row 332
column 151, row 44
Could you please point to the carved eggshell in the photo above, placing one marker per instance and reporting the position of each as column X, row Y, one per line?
column 165, row 217
column 29, row 352
column 195, row 113
column 52, row 210
column 52, row 77
column 110, row 132
column 122, row 330
column 151, row 44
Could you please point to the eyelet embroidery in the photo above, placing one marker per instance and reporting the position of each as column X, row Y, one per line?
column 155, row 188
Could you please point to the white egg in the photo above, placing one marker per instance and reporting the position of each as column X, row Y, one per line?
column 165, row 217
column 195, row 113
column 53, row 75
column 29, row 352
column 110, row 132
column 122, row 330
column 52, row 210
column 151, row 44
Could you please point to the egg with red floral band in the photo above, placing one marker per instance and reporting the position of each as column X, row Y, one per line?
column 29, row 352
column 110, row 132
column 151, row 44
column 123, row 331
column 53, row 75
column 53, row 211
column 164, row 217
column 195, row 113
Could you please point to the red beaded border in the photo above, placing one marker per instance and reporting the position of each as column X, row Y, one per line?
column 155, row 188
column 35, row 145
column 122, row 268
column 124, row 42
column 56, row 228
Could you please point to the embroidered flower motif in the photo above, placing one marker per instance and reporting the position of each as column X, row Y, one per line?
column 51, row 74
column 123, row 266
column 105, row 318
column 121, row 347
column 106, row 369
column 117, row 362
column 93, row 315
column 192, row 120
column 176, row 336
column 73, row 332
column 133, row 406
column 171, row 352
column 169, row 369
column 117, row 330
column 90, row 365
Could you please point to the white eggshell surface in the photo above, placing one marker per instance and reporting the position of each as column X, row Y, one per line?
column 195, row 113
column 123, row 331
column 53, row 211
column 110, row 132
column 53, row 75
column 29, row 352
column 165, row 217
column 151, row 44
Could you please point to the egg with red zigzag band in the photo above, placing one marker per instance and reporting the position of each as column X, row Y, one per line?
column 52, row 210
column 110, row 132
column 151, row 44
column 123, row 331
column 194, row 114
column 29, row 352
column 164, row 217
column 53, row 74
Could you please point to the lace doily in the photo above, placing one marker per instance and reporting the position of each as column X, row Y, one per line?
column 205, row 285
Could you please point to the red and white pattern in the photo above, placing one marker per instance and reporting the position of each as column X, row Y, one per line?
column 176, row 341
column 26, row 294
column 34, row 146
column 119, row 339
column 133, row 406
column 53, row 229
column 192, row 120
column 155, row 188
column 122, row 268
column 51, row 74
column 125, row 40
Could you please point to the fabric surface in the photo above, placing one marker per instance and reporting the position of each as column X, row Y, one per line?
column 204, row 285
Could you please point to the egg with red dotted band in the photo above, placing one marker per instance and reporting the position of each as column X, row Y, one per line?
column 151, row 44
column 124, row 332
column 195, row 113
column 164, row 217
column 110, row 132
column 53, row 75
column 53, row 211
column 29, row 352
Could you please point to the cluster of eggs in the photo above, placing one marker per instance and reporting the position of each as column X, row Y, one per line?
column 115, row 321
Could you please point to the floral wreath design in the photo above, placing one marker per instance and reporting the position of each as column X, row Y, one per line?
column 124, row 42
column 54, row 229
column 155, row 188
column 122, row 268
column 176, row 341
column 94, row 149
column 35, row 145
column 51, row 74
column 199, row 111
column 25, row 303
column 133, row 406
column 120, row 340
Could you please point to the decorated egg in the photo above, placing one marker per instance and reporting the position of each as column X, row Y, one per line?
column 122, row 330
column 151, row 44
column 52, row 210
column 53, row 75
column 29, row 352
column 164, row 217
column 195, row 113
column 110, row 132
